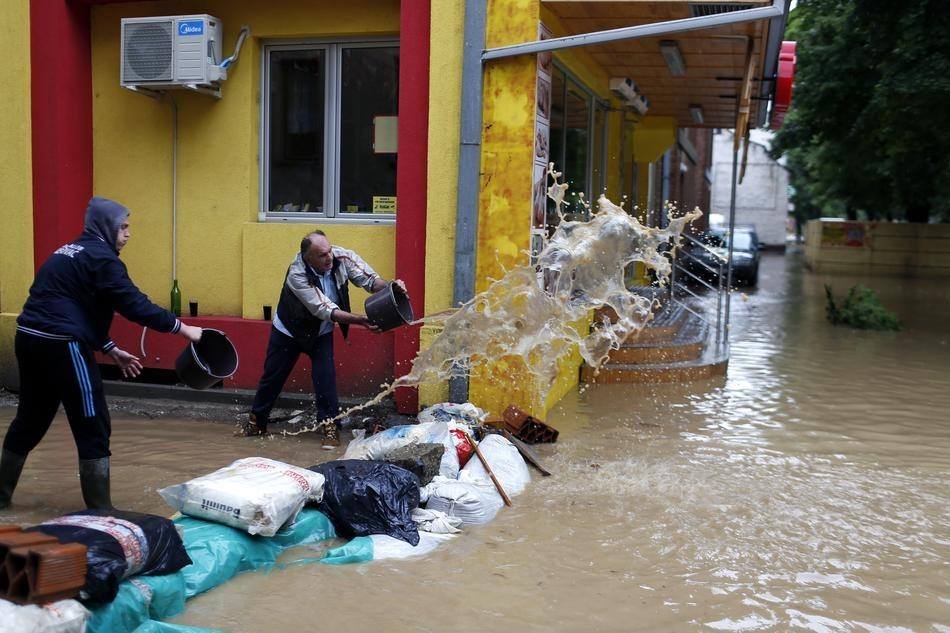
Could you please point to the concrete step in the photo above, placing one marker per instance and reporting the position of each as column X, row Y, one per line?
column 653, row 353
column 685, row 371
column 683, row 338
column 680, row 358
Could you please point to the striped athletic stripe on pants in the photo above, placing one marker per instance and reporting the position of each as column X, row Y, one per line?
column 82, row 377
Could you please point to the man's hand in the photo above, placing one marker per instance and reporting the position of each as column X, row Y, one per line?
column 401, row 285
column 190, row 332
column 130, row 365
column 365, row 322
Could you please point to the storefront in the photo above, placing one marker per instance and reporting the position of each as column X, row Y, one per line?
column 330, row 119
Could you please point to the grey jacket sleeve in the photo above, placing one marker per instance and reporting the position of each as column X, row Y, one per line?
column 357, row 270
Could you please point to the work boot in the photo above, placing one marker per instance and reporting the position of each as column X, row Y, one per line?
column 331, row 435
column 252, row 428
column 94, row 481
column 11, row 465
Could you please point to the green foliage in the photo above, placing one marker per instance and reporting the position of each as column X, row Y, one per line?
column 868, row 133
column 861, row 309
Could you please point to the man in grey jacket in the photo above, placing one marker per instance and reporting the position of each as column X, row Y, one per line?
column 314, row 297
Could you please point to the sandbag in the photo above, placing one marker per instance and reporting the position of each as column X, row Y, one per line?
column 368, row 497
column 436, row 522
column 505, row 461
column 119, row 545
column 474, row 502
column 387, row 547
column 254, row 494
column 64, row 616
column 380, row 445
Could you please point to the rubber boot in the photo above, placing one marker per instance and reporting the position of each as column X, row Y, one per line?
column 94, row 480
column 11, row 465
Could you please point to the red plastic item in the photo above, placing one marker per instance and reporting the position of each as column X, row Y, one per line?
column 463, row 446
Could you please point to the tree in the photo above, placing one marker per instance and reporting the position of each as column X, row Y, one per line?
column 869, row 130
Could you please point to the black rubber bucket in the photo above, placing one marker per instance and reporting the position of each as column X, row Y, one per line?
column 207, row 362
column 389, row 308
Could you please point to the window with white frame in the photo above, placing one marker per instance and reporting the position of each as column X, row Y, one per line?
column 329, row 118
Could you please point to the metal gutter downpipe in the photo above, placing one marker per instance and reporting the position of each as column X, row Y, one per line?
column 775, row 10
column 470, row 156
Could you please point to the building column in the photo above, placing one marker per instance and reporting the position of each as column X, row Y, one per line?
column 61, row 104
column 411, row 181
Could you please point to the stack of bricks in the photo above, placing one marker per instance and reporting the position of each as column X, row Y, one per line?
column 35, row 568
column 525, row 427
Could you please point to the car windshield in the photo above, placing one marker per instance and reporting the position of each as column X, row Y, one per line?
column 719, row 240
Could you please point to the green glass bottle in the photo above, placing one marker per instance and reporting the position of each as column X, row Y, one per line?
column 176, row 299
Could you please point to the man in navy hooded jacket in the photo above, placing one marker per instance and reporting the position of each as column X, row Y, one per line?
column 64, row 321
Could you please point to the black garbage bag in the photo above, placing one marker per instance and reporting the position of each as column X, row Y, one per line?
column 364, row 497
column 119, row 545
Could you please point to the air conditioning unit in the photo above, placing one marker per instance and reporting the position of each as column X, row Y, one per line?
column 174, row 51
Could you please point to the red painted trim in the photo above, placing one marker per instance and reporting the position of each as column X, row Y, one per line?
column 61, row 107
column 411, row 180
column 362, row 363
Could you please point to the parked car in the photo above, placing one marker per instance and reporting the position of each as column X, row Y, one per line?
column 745, row 267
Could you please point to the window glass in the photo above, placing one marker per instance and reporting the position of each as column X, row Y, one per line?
column 368, row 107
column 598, row 182
column 576, row 146
column 297, row 96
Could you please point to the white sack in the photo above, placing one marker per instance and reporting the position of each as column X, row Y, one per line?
column 471, row 501
column 505, row 461
column 379, row 445
column 465, row 413
column 254, row 494
column 388, row 547
column 436, row 522
column 64, row 616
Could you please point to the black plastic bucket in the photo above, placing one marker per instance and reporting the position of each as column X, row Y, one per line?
column 207, row 362
column 389, row 308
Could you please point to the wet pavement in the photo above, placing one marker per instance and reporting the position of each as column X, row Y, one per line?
column 809, row 490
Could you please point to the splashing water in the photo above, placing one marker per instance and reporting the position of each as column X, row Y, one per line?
column 530, row 317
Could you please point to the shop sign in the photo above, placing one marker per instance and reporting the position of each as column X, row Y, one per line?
column 853, row 234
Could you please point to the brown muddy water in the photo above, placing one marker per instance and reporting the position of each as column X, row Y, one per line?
column 809, row 490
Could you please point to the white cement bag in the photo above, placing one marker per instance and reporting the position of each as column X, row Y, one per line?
column 505, row 461
column 64, row 616
column 471, row 501
column 388, row 547
column 379, row 445
column 254, row 494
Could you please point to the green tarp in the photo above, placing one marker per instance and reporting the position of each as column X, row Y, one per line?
column 218, row 553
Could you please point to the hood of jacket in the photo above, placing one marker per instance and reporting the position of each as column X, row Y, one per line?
column 103, row 219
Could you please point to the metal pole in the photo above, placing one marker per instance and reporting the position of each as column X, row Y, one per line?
column 719, row 311
column 469, row 174
column 775, row 10
column 732, row 225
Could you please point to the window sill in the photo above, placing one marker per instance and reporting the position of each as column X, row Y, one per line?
column 319, row 218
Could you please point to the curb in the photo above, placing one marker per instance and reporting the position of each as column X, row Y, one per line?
column 151, row 391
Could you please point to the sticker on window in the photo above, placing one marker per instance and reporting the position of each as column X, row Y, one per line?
column 384, row 204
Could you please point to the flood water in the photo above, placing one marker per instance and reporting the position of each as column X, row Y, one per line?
column 809, row 490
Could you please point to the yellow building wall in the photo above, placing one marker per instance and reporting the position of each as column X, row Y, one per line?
column 445, row 93
column 264, row 277
column 218, row 147
column 508, row 118
column 16, row 186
